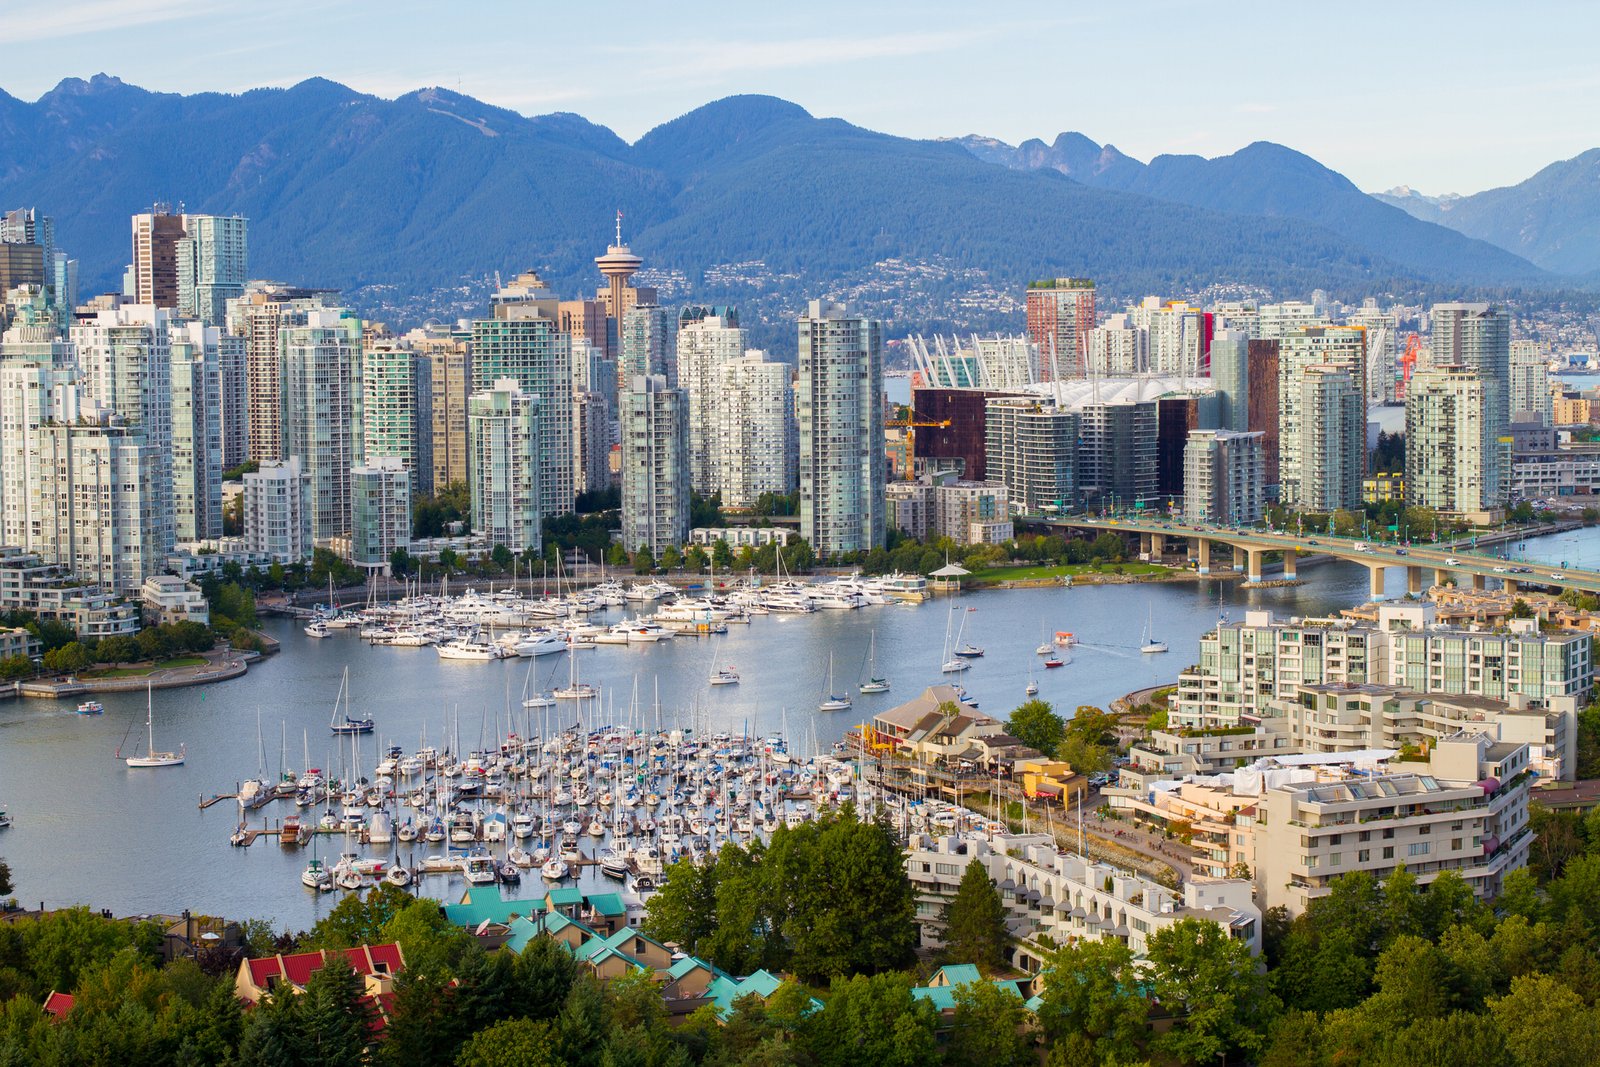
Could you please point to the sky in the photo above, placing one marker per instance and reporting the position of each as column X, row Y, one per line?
column 1444, row 97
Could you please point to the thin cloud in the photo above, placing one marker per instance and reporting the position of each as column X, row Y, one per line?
column 48, row 22
column 711, row 60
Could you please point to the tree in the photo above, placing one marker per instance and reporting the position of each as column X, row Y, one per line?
column 400, row 562
column 670, row 558
column 512, row 1043
column 1092, row 1009
column 1520, row 609
column 684, row 910
column 873, row 1020
column 68, row 659
column 643, row 560
column 695, row 559
column 501, row 555
column 721, row 555
column 975, row 922
column 1210, row 981
column 5, row 877
column 335, row 1016
column 1036, row 725
column 358, row 920
column 989, row 1028
column 1547, row 1024
column 616, row 556
column 16, row 667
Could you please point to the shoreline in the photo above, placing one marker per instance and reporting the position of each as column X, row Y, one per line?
column 219, row 668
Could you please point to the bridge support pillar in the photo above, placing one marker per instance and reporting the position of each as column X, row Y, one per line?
column 1512, row 586
column 1440, row 576
column 1477, row 582
column 1290, row 560
column 1158, row 547
column 1375, row 576
column 1239, row 556
column 1144, row 546
column 1252, row 570
column 1203, row 556
column 1414, row 581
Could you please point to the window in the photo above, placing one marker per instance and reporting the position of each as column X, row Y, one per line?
column 1364, row 856
column 944, row 868
column 1417, row 848
column 1455, row 844
column 1388, row 852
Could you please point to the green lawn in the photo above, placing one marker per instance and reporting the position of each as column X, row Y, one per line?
column 140, row 672
column 1016, row 574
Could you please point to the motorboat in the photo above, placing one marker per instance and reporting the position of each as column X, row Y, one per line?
column 317, row 877
column 91, row 707
column 479, row 869
column 473, row 650
column 317, row 628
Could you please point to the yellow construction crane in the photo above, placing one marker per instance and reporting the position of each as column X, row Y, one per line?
column 910, row 425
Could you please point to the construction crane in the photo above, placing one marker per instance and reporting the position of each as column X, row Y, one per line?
column 1408, row 363
column 911, row 425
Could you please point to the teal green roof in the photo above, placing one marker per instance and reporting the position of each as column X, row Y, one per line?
column 724, row 990
column 607, row 903
column 955, row 974
column 687, row 964
column 484, row 903
column 546, row 922
column 567, row 894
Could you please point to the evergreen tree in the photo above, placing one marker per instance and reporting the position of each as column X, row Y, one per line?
column 336, row 1018
column 989, row 1028
column 511, row 1043
column 975, row 922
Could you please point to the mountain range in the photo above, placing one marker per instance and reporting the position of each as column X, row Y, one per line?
column 427, row 191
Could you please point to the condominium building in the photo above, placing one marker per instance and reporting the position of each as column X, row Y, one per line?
column 523, row 342
column 449, row 358
column 1531, row 398
column 1177, row 334
column 389, row 395
column 645, row 345
column 1448, row 446
column 322, row 412
column 197, row 407
column 708, row 338
column 1117, row 348
column 655, row 465
column 99, row 516
column 1245, row 665
column 1031, row 448
column 1117, row 453
column 257, row 318
column 156, row 234
column 839, row 407
column 1383, row 349
column 971, row 513
column 1230, row 377
column 277, row 511
column 1354, row 718
column 30, row 396
column 1322, row 440
column 126, row 359
column 504, row 434
column 752, row 446
column 1463, row 810
column 1054, row 898
column 53, row 593
column 909, row 507
column 212, row 265
column 1286, row 319
column 1060, row 315
column 1224, row 477
column 380, row 519
column 233, row 398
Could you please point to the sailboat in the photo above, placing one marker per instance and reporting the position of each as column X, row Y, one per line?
column 1149, row 644
column 873, row 684
column 1033, row 686
column 951, row 664
column 833, row 701
column 349, row 725
column 726, row 675
column 966, row 649
column 151, row 757
column 574, row 689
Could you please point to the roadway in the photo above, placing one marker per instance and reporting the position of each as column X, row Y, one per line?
column 1251, row 543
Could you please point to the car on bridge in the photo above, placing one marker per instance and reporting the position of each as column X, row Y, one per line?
column 1451, row 561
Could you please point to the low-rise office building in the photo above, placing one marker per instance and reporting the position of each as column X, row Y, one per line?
column 168, row 598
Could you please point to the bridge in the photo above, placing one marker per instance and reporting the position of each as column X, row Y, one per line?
column 1250, row 546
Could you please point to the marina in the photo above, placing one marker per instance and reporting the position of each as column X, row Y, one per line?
column 64, row 824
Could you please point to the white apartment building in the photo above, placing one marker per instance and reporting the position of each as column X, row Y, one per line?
column 1464, row 810
column 389, row 401
column 751, row 446
column 708, row 338
column 168, row 598
column 98, row 514
column 1224, row 477
column 839, row 407
column 1055, row 898
column 1118, row 348
column 655, row 465
column 1322, row 439
column 322, row 412
column 213, row 264
column 972, row 512
column 1530, row 383
column 1449, row 449
column 1274, row 322
column 1176, row 335
column 909, row 508
column 49, row 591
column 1031, row 448
column 503, row 465
column 380, row 519
column 29, row 394
column 277, row 511
column 196, row 432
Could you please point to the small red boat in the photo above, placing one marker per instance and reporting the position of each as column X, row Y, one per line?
column 1054, row 663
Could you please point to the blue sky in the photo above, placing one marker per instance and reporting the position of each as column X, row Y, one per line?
column 1444, row 96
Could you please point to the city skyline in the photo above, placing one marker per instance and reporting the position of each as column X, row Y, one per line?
column 878, row 71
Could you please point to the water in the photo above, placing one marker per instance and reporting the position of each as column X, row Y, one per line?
column 90, row 830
